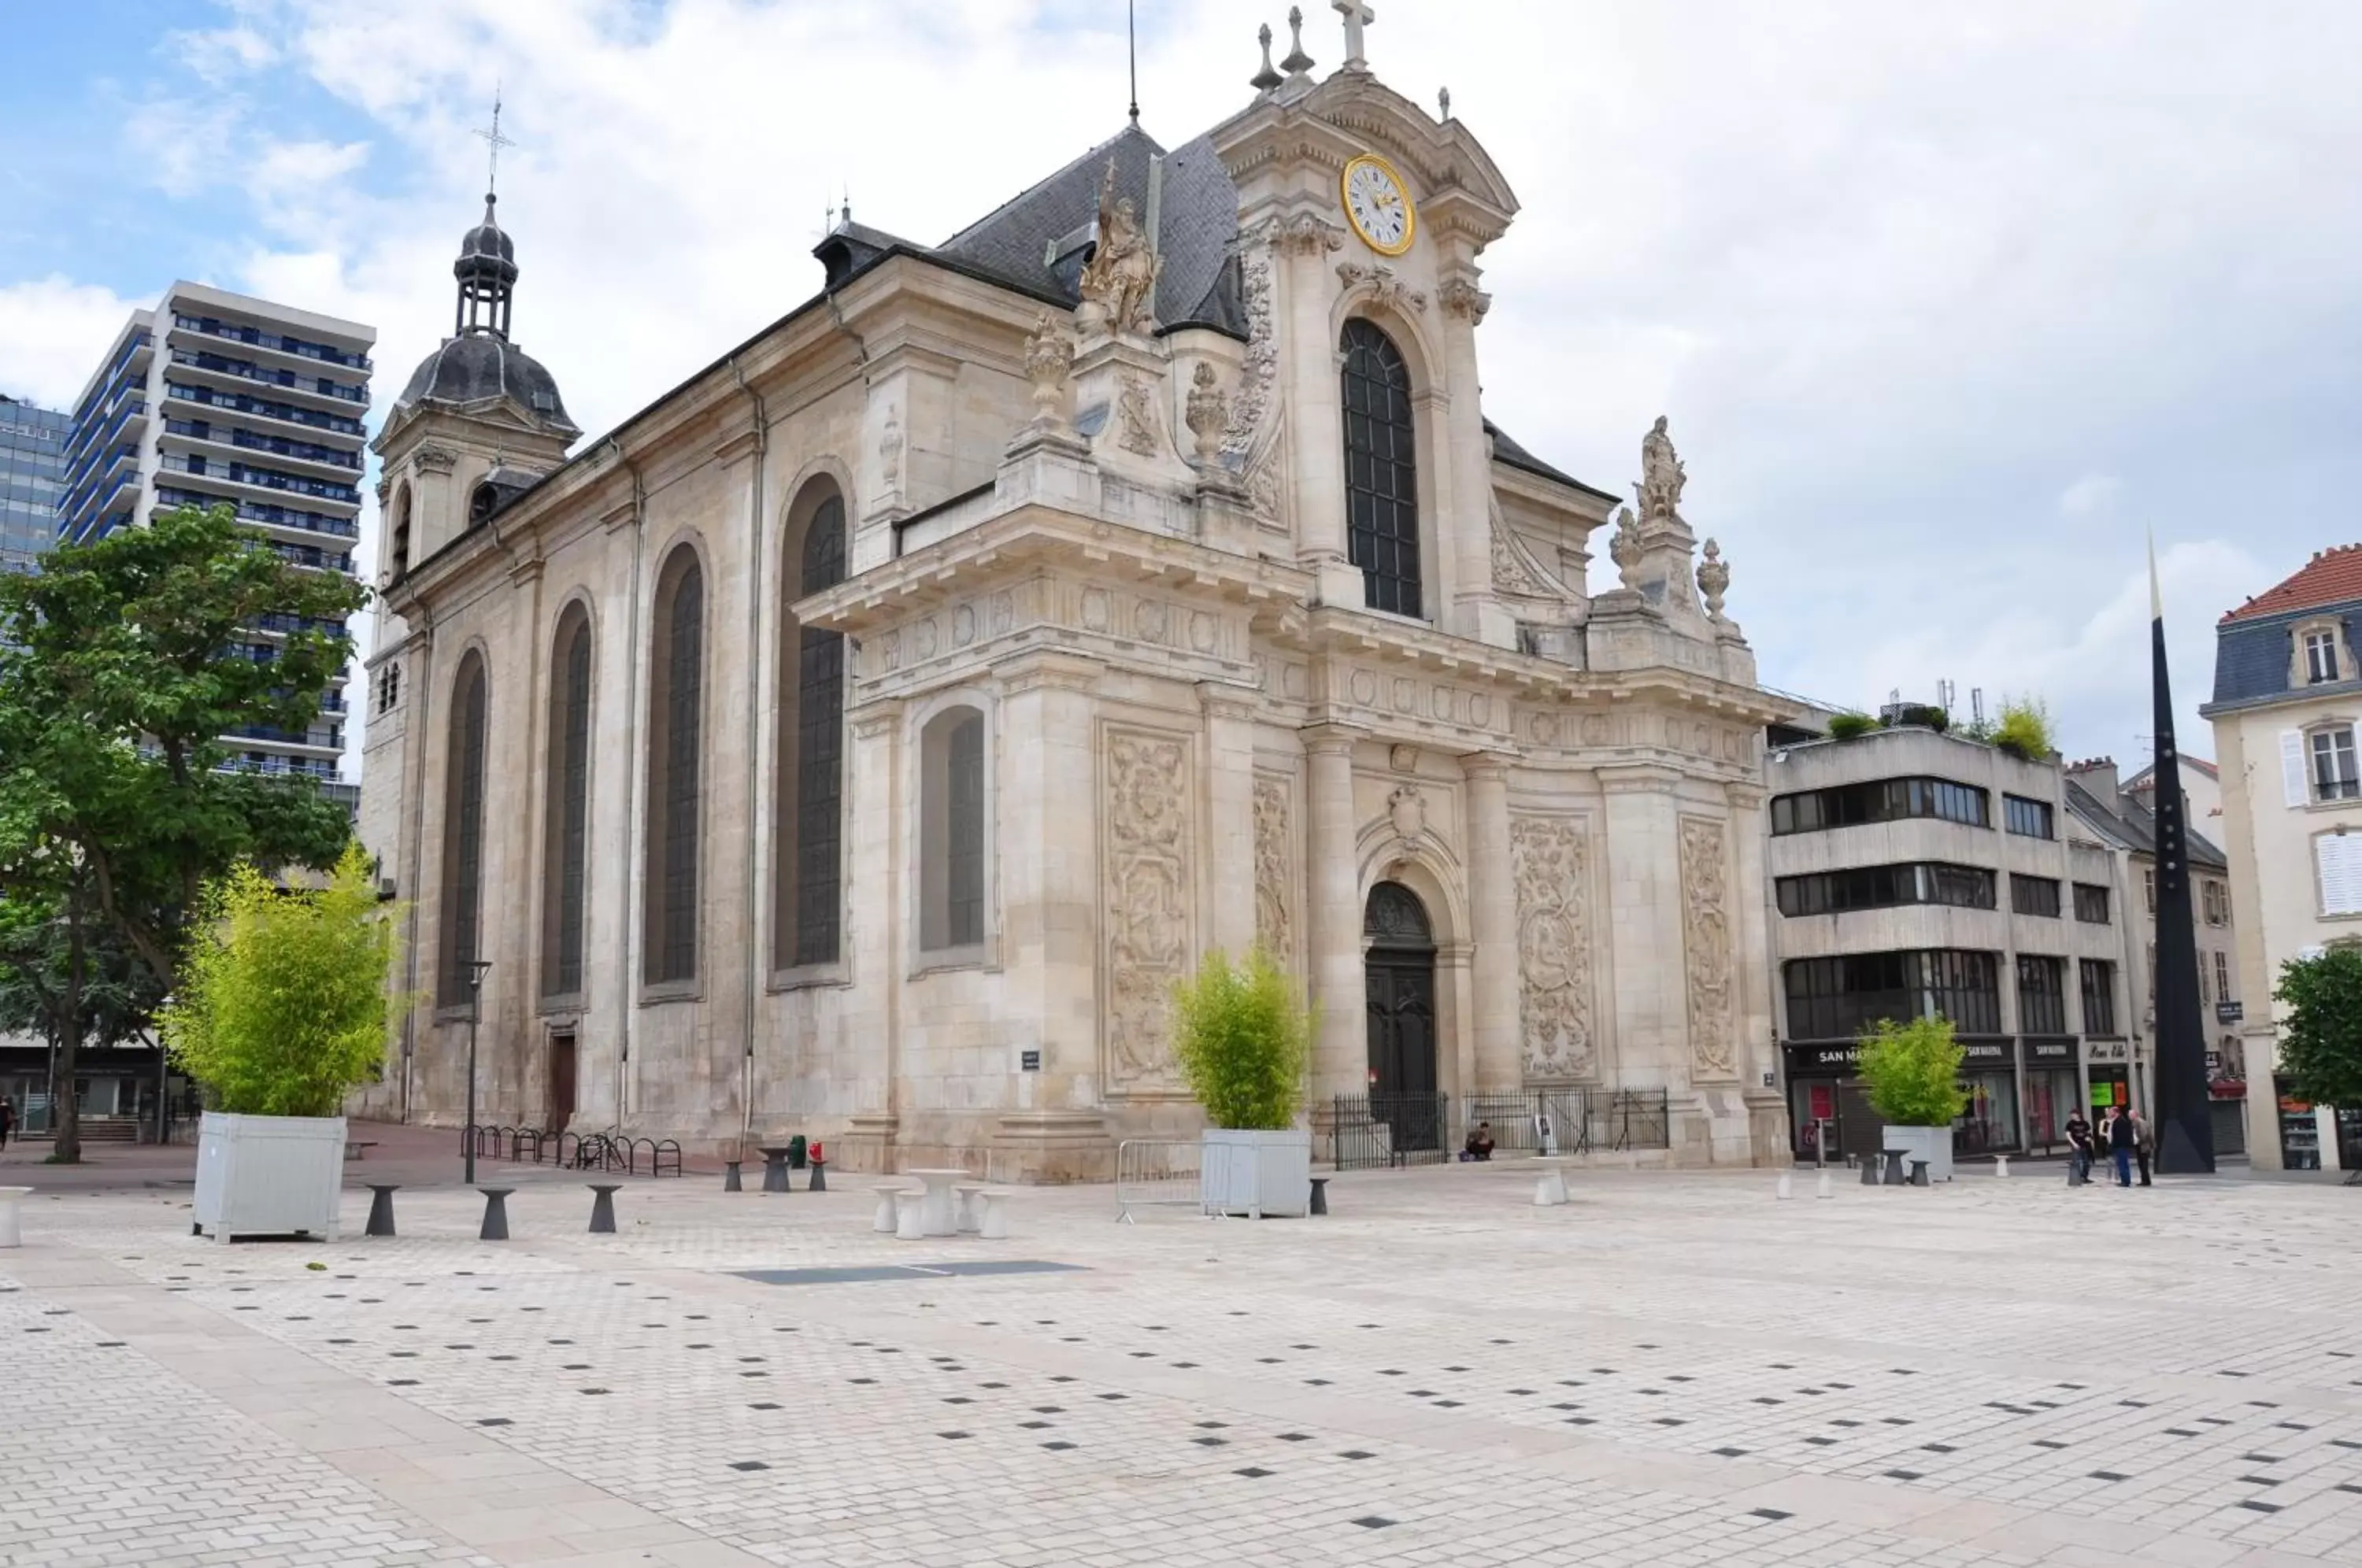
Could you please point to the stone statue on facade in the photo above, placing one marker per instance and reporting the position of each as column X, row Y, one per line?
column 1209, row 412
column 1661, row 474
column 1118, row 282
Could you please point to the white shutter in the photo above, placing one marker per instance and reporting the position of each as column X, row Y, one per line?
column 2292, row 784
column 2339, row 856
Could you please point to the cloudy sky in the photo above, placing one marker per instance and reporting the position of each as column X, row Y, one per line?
column 1947, row 303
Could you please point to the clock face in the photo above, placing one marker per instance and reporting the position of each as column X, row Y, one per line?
column 1378, row 205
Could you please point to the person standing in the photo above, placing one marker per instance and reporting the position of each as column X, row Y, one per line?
column 2079, row 1149
column 2117, row 1133
column 2144, row 1144
column 8, row 1119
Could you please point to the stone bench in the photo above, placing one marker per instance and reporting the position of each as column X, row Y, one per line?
column 992, row 1223
column 910, row 1215
column 967, row 1216
column 1550, row 1183
column 10, row 1196
column 887, row 1192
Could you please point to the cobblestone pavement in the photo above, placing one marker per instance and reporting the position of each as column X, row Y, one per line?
column 1672, row 1369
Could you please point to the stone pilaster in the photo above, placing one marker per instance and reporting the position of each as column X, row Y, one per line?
column 1493, row 901
column 1642, row 926
column 1340, row 1054
column 1228, row 876
column 876, row 938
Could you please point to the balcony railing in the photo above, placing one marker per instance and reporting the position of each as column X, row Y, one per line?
column 269, row 479
column 247, row 370
column 308, row 451
column 272, row 340
column 264, row 513
column 263, row 408
column 107, row 386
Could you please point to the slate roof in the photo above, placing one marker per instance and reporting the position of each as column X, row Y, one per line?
column 2334, row 576
column 1034, row 240
column 1509, row 452
column 478, row 366
column 2128, row 823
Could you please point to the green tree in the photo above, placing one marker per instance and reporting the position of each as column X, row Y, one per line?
column 282, row 1004
column 1242, row 1039
column 2321, row 1031
column 1912, row 1072
column 124, row 663
column 2025, row 729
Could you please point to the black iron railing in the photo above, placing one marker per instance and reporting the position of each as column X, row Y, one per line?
column 1372, row 1130
column 606, row 1152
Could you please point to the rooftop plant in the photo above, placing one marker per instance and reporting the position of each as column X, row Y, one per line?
column 2024, row 730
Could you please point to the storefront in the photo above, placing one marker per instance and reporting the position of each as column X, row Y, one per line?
column 2054, row 1089
column 1990, row 1124
column 2300, row 1131
column 2108, row 1074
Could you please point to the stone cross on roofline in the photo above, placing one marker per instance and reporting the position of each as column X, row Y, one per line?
column 1357, row 17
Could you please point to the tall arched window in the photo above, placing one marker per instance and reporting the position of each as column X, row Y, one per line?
column 1381, row 470
column 463, row 834
column 950, row 831
column 812, row 753
column 675, row 734
column 567, row 810
column 398, row 551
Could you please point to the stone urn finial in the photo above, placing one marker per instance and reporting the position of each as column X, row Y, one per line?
column 1209, row 412
column 1713, row 579
column 1049, row 355
column 1624, row 549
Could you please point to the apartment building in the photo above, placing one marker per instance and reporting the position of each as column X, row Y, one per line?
column 2287, row 700
column 215, row 397
column 2120, row 816
column 1917, row 873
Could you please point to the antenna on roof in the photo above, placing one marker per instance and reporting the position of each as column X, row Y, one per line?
column 1131, row 53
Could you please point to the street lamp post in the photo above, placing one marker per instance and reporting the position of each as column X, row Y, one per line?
column 467, row 1135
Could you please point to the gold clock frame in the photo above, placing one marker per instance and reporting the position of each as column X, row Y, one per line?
column 1345, row 200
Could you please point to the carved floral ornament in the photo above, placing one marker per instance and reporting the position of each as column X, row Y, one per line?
column 1147, row 890
column 1706, row 944
column 1275, row 923
column 1382, row 288
column 1549, row 864
column 1462, row 297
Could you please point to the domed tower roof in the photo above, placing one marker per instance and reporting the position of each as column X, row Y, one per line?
column 486, row 250
column 478, row 367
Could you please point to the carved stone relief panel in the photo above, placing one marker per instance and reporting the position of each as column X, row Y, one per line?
column 1706, row 944
column 1148, row 848
column 1550, row 861
column 1274, row 868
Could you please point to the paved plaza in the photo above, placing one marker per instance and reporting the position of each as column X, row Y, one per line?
column 1672, row 1369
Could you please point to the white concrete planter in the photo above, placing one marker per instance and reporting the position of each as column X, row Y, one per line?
column 1933, row 1145
column 268, row 1176
column 1261, row 1173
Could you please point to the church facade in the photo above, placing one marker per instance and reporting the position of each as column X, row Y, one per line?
column 861, row 739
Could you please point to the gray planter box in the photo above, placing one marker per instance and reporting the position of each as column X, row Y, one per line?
column 268, row 1176
column 1257, row 1174
column 1933, row 1145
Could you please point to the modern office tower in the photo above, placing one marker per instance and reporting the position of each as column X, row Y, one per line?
column 213, row 397
column 32, row 476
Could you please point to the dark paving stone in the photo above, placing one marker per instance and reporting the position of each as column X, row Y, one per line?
column 2251, row 1505
column 2110, row 1475
column 766, row 1405
column 1211, row 1441
column 1775, row 1515
column 1032, row 1426
column 954, row 1437
column 1357, row 1453
column 495, row 1421
column 1253, row 1473
column 1730, row 1453
column 1058, row 1447
column 748, row 1464
column 1296, row 1437
column 1902, row 1474
column 1375, row 1521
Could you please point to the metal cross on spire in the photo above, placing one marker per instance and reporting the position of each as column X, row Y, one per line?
column 494, row 140
column 1357, row 17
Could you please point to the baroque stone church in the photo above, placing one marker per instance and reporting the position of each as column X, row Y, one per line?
column 860, row 739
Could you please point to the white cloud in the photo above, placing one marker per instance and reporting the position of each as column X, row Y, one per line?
column 1926, row 293
column 53, row 333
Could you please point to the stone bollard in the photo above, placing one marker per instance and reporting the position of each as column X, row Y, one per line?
column 2001, row 1165
column 1870, row 1173
column 729, row 1182
column 819, row 1174
column 1785, row 1190
column 602, row 1209
column 1824, row 1190
column 380, row 1220
column 496, row 1214
column 1319, row 1196
column 11, row 1235
column 1918, row 1172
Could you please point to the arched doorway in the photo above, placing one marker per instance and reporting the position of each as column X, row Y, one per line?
column 1399, row 983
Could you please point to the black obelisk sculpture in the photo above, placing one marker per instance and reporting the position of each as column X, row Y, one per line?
column 2185, row 1127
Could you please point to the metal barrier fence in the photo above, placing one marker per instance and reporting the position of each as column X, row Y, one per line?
column 605, row 1152
column 1155, row 1173
column 1579, row 1120
column 1372, row 1130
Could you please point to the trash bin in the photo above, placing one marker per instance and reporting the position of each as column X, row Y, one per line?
column 795, row 1152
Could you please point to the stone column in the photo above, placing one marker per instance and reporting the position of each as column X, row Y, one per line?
column 1314, row 398
column 1466, row 507
column 1340, row 1056
column 1757, row 1053
column 1492, row 905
